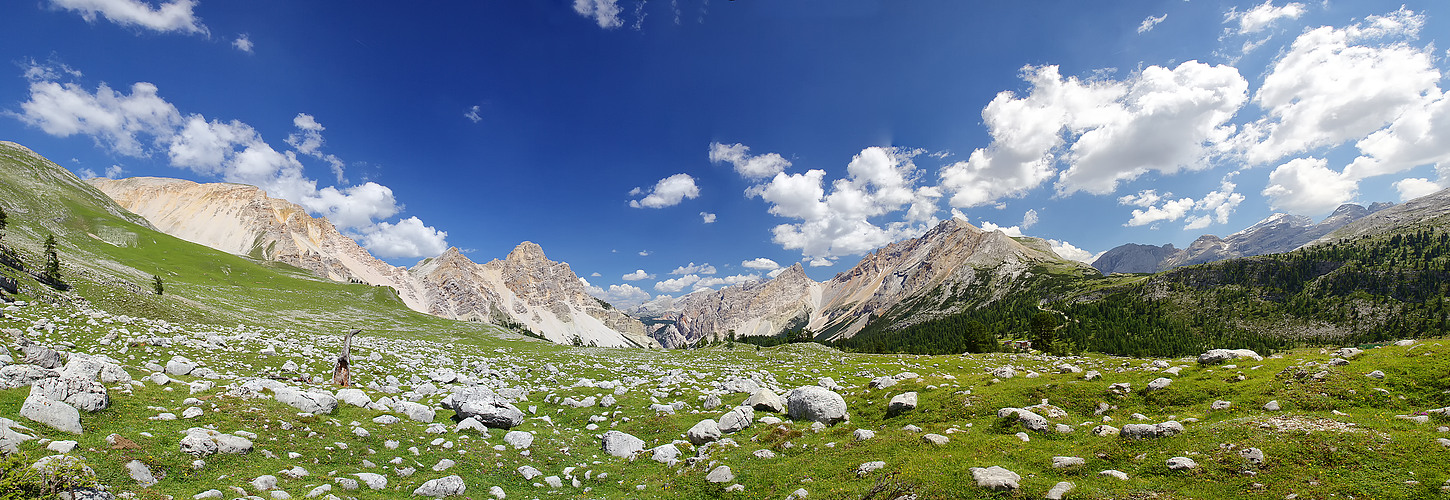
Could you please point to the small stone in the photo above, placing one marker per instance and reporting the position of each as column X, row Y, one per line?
column 935, row 439
column 1115, row 474
column 1065, row 462
column 1272, row 406
column 720, row 474
column 869, row 467
column 863, row 434
column 1182, row 463
column 1059, row 490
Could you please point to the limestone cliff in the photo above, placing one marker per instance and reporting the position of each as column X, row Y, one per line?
column 524, row 289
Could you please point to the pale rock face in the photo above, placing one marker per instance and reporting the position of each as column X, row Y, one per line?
column 525, row 288
column 947, row 258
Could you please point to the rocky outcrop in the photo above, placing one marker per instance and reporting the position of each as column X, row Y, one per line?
column 1277, row 233
column 525, row 289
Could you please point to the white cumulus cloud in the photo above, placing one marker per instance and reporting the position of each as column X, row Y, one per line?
column 1150, row 21
column 707, row 217
column 1308, row 186
column 1029, row 219
column 879, row 181
column 1214, row 207
column 637, row 275
column 668, row 192
column 243, row 43
column 750, row 167
column 694, row 269
column 1335, row 85
column 1264, row 15
column 1416, row 187
column 620, row 296
column 603, row 12
column 408, row 238
column 675, row 285
column 175, row 15
column 142, row 123
column 472, row 114
column 1105, row 131
column 760, row 263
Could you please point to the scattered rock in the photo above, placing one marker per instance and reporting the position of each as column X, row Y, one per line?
column 901, row 403
column 518, row 439
column 1181, row 463
column 765, row 400
column 1059, row 490
column 703, row 432
column 817, row 404
column 1029, row 420
column 55, row 414
column 1149, row 431
column 441, row 487
column 1216, row 356
column 485, row 406
column 621, row 445
column 935, row 439
column 995, row 478
column 141, row 473
column 1065, row 462
column 720, row 474
column 869, row 467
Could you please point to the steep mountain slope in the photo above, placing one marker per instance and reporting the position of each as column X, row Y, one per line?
column 951, row 267
column 110, row 255
column 1432, row 210
column 242, row 220
column 1277, row 233
column 525, row 290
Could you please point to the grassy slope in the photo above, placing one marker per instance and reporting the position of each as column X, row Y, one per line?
column 254, row 305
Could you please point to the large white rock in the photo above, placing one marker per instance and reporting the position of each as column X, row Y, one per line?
column 703, row 432
column 1029, row 419
column 441, row 487
column 1149, row 431
column 817, row 404
column 310, row 402
column 736, row 419
column 98, row 368
column 765, row 400
column 519, row 439
column 141, row 473
column 995, row 478
column 1216, row 356
column 355, row 397
column 416, row 412
column 485, row 406
column 721, row 474
column 179, row 365
column 620, row 444
column 83, row 394
column 21, row 375
column 56, row 414
column 900, row 403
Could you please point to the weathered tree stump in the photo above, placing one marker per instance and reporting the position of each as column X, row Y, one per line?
column 341, row 373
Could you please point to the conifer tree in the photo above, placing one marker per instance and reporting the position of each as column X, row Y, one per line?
column 157, row 285
column 52, row 260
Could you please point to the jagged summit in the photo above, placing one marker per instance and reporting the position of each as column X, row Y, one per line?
column 527, row 251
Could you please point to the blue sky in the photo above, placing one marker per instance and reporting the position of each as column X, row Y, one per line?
column 665, row 146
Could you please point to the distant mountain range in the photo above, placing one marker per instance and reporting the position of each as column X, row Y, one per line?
column 1277, row 233
column 953, row 266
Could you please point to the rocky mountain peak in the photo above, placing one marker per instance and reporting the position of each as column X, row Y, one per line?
column 527, row 251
